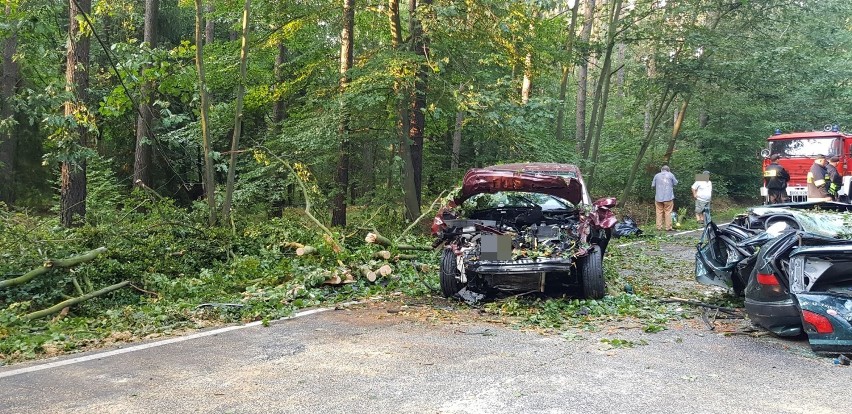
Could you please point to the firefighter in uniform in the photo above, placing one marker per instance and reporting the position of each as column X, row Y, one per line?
column 776, row 177
column 835, row 180
column 818, row 180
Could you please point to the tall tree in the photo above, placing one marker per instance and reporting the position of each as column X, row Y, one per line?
column 420, row 47
column 583, row 76
column 409, row 187
column 144, row 135
column 567, row 68
column 602, row 88
column 72, row 209
column 238, row 115
column 8, row 138
column 209, row 179
column 341, row 178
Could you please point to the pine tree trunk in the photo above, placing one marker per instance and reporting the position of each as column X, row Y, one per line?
column 72, row 210
column 341, row 179
column 144, row 135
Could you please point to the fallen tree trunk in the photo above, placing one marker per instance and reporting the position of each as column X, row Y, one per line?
column 51, row 264
column 376, row 238
column 73, row 301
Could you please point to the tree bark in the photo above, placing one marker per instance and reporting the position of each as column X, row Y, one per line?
column 72, row 210
column 583, row 77
column 209, row 25
column 567, row 68
column 279, row 110
column 341, row 179
column 602, row 88
column 238, row 115
column 144, row 134
column 8, row 140
column 526, row 84
column 209, row 180
column 676, row 128
column 457, row 135
column 409, row 187
column 420, row 46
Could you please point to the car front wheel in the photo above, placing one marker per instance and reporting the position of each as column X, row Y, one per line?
column 591, row 274
column 450, row 284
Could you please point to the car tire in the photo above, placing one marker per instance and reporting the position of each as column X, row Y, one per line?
column 449, row 272
column 591, row 274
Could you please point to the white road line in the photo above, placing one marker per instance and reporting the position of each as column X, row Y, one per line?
column 675, row 234
column 135, row 348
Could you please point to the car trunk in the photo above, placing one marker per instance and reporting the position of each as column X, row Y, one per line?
column 821, row 281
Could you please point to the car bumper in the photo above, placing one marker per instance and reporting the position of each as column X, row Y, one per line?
column 782, row 318
column 523, row 266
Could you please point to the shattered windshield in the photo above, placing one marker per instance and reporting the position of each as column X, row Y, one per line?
column 824, row 223
column 804, row 147
column 504, row 199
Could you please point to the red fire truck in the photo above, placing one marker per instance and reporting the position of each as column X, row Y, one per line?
column 797, row 151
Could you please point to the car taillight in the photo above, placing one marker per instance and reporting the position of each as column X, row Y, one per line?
column 819, row 322
column 767, row 279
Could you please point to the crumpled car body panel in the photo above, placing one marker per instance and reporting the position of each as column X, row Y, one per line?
column 797, row 280
column 478, row 181
column 511, row 229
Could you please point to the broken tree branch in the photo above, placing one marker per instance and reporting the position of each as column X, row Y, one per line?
column 73, row 301
column 376, row 238
column 304, row 194
column 414, row 223
column 51, row 264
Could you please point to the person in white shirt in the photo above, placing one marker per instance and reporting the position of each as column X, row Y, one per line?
column 701, row 192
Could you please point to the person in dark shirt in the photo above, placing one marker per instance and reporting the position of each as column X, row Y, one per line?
column 776, row 178
column 818, row 180
column 835, row 180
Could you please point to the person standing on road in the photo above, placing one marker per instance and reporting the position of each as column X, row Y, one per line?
column 776, row 180
column 818, row 180
column 663, row 184
column 701, row 192
column 835, row 180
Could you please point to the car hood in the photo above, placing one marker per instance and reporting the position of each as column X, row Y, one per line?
column 478, row 181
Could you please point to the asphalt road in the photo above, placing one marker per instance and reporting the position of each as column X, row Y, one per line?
column 387, row 358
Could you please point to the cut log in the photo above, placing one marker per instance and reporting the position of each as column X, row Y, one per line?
column 385, row 270
column 382, row 254
column 306, row 250
column 376, row 238
column 368, row 273
column 333, row 280
column 50, row 264
column 292, row 245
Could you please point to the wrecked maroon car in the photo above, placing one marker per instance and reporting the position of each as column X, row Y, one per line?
column 523, row 228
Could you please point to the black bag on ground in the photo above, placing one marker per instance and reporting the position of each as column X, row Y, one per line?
column 626, row 227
